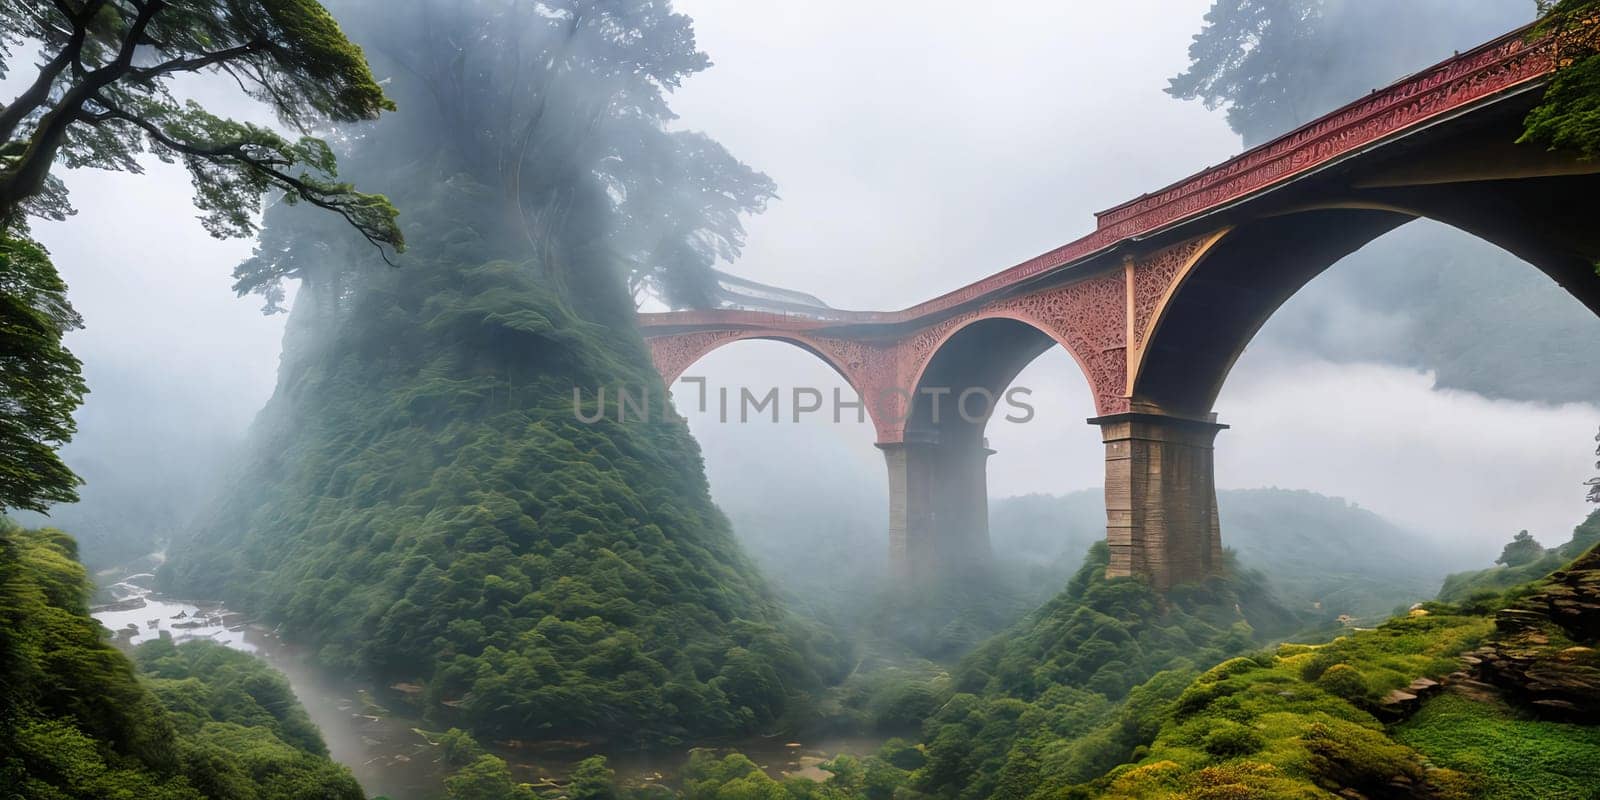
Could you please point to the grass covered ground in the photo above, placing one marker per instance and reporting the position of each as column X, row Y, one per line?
column 1518, row 756
column 1299, row 722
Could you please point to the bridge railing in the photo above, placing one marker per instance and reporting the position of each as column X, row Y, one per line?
column 1505, row 64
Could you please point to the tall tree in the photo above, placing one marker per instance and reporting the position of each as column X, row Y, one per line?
column 1522, row 549
column 1278, row 64
column 40, row 382
column 421, row 455
column 1569, row 116
column 561, row 108
column 103, row 96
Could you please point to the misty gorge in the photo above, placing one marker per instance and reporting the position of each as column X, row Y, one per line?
column 712, row 400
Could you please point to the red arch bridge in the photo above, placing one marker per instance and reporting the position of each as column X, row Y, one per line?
column 1159, row 300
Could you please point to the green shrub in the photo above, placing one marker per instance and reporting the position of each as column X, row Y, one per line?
column 1231, row 740
column 1343, row 681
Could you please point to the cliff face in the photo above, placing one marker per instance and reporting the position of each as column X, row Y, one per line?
column 1543, row 653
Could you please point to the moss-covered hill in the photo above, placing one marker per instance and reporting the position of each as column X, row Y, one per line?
column 1054, row 700
column 1497, row 700
column 77, row 722
column 1449, row 701
column 423, row 503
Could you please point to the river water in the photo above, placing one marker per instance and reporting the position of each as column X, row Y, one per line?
column 370, row 730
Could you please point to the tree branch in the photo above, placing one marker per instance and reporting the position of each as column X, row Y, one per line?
column 267, row 167
column 39, row 92
column 141, row 74
column 27, row 177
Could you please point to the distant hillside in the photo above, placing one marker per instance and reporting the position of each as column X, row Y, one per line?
column 1323, row 556
column 1464, row 585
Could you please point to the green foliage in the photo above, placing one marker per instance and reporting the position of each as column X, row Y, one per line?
column 593, row 780
column 1488, row 589
column 1521, row 550
column 487, row 778
column 457, row 748
column 424, row 504
column 102, row 97
column 736, row 777
column 1289, row 724
column 422, row 501
column 1517, row 757
column 1278, row 64
column 1342, row 681
column 41, row 381
column 1230, row 740
column 1036, row 710
column 1300, row 723
column 1108, row 635
column 1568, row 116
column 76, row 722
column 203, row 682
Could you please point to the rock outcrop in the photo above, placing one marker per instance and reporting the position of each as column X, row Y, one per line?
column 1545, row 652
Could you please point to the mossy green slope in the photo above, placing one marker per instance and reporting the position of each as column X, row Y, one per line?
column 1317, row 720
column 423, row 503
column 78, row 723
column 1058, row 699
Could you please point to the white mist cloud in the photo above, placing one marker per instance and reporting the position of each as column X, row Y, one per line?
column 1453, row 464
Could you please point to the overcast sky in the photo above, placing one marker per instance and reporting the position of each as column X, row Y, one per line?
column 917, row 146
column 920, row 146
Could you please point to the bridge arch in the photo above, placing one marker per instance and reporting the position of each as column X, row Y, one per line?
column 986, row 352
column 1244, row 276
column 675, row 354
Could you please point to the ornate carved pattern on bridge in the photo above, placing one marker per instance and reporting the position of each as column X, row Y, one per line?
column 675, row 353
column 1499, row 65
column 1088, row 317
column 1475, row 76
column 1154, row 278
column 1091, row 317
column 870, row 368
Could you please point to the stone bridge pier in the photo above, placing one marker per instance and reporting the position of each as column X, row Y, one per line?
column 938, row 508
column 1161, row 497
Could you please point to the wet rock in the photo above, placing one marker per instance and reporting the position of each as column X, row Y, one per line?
column 121, row 605
column 1543, row 651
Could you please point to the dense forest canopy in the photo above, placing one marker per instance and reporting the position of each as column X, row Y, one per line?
column 420, row 506
column 79, row 722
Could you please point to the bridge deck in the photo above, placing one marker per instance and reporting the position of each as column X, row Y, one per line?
column 1505, row 65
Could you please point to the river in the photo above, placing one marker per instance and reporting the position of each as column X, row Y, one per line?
column 369, row 729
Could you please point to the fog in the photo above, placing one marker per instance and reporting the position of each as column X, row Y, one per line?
column 916, row 147
column 944, row 148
